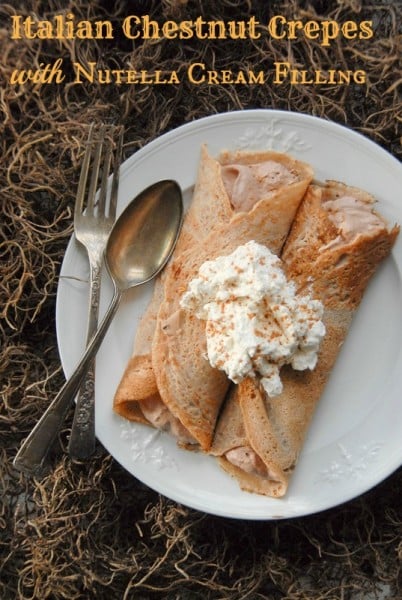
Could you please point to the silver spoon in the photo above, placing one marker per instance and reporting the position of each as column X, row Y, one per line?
column 139, row 246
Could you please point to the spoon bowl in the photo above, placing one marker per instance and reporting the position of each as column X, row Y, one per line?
column 139, row 245
column 144, row 235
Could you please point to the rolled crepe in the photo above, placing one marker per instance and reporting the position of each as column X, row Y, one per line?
column 210, row 204
column 336, row 243
column 168, row 383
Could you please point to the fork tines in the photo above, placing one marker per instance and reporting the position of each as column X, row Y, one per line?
column 103, row 154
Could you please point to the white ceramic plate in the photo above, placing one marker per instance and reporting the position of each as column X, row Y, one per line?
column 355, row 439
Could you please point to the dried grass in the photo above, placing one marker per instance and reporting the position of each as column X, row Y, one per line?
column 92, row 531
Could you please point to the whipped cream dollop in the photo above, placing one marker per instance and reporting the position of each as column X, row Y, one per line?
column 255, row 321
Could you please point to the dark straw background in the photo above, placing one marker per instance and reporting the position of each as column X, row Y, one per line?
column 91, row 530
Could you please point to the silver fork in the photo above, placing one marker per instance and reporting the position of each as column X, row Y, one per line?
column 92, row 225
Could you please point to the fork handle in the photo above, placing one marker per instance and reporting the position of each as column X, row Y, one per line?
column 82, row 439
column 30, row 457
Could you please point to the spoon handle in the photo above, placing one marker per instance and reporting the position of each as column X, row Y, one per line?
column 34, row 449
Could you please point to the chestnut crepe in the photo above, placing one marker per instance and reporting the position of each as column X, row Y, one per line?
column 168, row 370
column 258, row 439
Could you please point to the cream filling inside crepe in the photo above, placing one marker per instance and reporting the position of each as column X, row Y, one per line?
column 161, row 418
column 351, row 216
column 247, row 184
column 247, row 460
